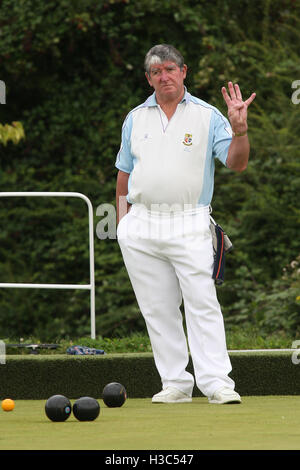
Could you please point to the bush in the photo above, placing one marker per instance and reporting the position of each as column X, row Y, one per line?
column 73, row 70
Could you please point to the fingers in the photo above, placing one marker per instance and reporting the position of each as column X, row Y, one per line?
column 238, row 92
column 249, row 100
column 232, row 90
column 235, row 94
column 225, row 95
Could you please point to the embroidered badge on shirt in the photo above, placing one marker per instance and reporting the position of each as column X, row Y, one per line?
column 188, row 139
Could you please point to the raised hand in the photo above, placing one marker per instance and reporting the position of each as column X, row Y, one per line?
column 237, row 108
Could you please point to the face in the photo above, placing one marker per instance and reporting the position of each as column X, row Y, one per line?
column 167, row 80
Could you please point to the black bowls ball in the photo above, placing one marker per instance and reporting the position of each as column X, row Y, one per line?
column 58, row 408
column 114, row 394
column 86, row 409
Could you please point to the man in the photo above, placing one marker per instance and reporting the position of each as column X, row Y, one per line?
column 166, row 170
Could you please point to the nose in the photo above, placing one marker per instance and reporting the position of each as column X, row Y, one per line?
column 164, row 75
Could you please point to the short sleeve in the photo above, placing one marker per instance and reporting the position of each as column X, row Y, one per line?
column 124, row 161
column 222, row 137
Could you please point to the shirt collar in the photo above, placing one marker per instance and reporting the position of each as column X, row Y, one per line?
column 151, row 101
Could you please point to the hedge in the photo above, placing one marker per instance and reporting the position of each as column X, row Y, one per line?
column 73, row 70
column 38, row 377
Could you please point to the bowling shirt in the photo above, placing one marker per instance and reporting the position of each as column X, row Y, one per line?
column 171, row 163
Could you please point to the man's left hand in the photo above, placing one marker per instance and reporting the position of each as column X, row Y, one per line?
column 237, row 108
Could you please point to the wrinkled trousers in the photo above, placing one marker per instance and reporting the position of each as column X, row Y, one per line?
column 169, row 260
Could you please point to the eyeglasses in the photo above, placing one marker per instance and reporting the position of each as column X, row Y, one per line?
column 170, row 69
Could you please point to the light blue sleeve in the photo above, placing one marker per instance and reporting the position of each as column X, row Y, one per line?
column 222, row 137
column 124, row 161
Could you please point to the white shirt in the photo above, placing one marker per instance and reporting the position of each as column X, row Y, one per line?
column 171, row 163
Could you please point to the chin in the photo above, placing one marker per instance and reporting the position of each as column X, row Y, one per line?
column 169, row 91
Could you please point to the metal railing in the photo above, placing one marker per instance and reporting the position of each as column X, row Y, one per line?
column 91, row 285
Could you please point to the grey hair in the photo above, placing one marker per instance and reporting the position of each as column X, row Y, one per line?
column 163, row 53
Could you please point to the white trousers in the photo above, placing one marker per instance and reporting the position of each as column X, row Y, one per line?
column 169, row 258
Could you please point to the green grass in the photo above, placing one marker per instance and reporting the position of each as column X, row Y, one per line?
column 240, row 338
column 259, row 423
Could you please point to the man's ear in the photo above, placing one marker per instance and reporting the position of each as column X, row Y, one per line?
column 148, row 79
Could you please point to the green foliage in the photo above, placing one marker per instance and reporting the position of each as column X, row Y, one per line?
column 279, row 306
column 237, row 339
column 72, row 71
column 13, row 133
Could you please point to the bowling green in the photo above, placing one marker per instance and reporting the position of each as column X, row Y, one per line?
column 259, row 423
